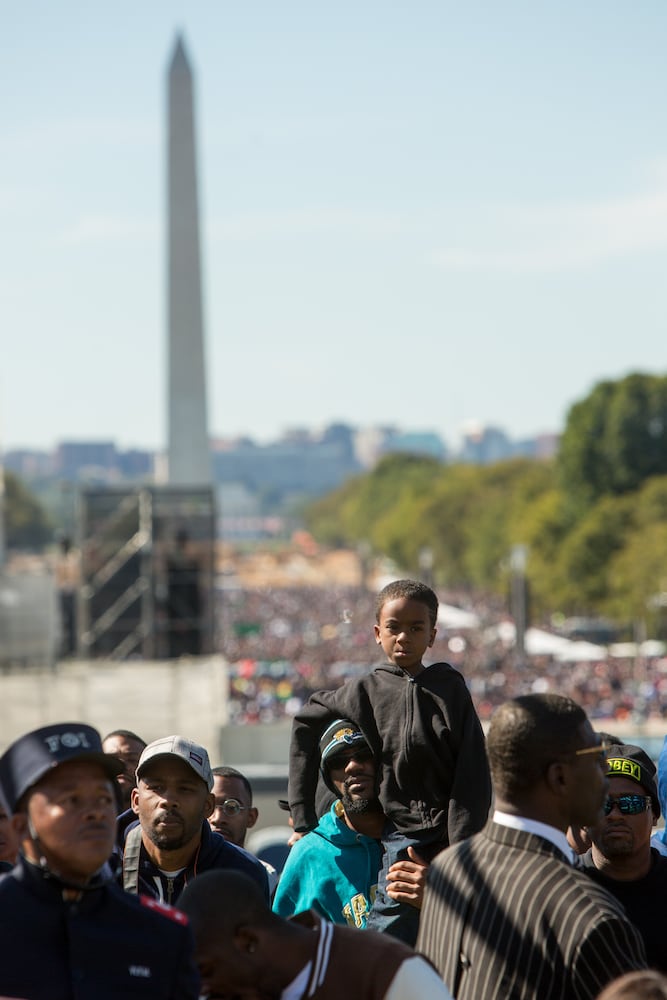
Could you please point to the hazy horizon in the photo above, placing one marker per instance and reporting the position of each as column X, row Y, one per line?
column 415, row 216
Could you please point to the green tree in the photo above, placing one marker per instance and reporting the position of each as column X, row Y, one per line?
column 26, row 523
column 358, row 511
column 615, row 439
column 587, row 550
column 638, row 571
column 544, row 528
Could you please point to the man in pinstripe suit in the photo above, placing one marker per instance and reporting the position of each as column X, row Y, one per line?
column 506, row 916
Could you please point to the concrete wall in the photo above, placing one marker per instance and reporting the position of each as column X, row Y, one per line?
column 154, row 699
column 259, row 744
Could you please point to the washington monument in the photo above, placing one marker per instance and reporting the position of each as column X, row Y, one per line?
column 188, row 446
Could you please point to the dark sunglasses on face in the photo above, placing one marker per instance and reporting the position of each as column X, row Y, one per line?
column 231, row 807
column 628, row 805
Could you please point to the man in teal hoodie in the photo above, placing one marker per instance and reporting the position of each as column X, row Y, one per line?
column 334, row 868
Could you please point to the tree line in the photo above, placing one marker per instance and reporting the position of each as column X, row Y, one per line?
column 594, row 520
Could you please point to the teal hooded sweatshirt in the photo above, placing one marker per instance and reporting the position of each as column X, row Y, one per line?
column 332, row 870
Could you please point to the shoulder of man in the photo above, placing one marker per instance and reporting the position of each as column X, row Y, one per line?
column 592, row 883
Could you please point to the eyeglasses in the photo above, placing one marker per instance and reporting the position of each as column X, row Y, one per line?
column 231, row 807
column 628, row 805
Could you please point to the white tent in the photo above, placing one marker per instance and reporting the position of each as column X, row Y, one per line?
column 579, row 651
column 538, row 642
column 450, row 616
column 653, row 647
column 541, row 643
column 623, row 649
column 650, row 647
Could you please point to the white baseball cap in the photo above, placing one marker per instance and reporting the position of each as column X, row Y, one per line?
column 194, row 755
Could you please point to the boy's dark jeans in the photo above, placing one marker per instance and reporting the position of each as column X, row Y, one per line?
column 387, row 915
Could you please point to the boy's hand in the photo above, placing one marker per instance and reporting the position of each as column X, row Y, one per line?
column 294, row 837
column 406, row 880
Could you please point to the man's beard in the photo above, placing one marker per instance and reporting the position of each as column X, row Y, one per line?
column 171, row 841
column 359, row 807
column 615, row 847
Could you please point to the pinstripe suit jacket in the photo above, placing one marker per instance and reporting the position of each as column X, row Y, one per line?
column 507, row 917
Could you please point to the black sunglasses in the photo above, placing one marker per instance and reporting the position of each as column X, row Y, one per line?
column 628, row 805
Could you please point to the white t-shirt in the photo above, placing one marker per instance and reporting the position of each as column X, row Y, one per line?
column 415, row 978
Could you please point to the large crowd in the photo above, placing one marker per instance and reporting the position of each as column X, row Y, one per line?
column 428, row 859
column 283, row 643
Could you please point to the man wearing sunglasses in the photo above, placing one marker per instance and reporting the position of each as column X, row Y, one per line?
column 621, row 857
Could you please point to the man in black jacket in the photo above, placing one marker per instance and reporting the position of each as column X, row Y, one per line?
column 621, row 857
column 66, row 929
column 173, row 842
column 506, row 915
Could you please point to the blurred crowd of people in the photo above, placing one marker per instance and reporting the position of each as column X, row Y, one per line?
column 284, row 643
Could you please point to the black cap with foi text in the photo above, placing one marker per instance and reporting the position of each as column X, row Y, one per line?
column 30, row 757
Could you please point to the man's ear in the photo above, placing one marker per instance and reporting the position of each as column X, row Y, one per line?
column 557, row 777
column 433, row 635
column 134, row 800
column 253, row 813
column 209, row 805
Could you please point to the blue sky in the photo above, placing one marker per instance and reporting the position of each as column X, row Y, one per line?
column 418, row 213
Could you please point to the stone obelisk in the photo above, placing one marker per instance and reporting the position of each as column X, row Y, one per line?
column 188, row 456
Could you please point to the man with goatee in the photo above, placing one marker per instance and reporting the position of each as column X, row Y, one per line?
column 334, row 868
column 173, row 842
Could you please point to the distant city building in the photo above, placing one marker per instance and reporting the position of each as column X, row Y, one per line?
column 74, row 456
column 101, row 461
column 483, row 445
column 29, row 464
column 81, row 461
column 545, row 446
column 426, row 443
column 300, row 463
column 372, row 443
column 135, row 464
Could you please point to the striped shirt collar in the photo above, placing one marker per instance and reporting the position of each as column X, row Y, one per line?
column 544, row 830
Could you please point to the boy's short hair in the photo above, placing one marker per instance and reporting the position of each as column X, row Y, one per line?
column 412, row 590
